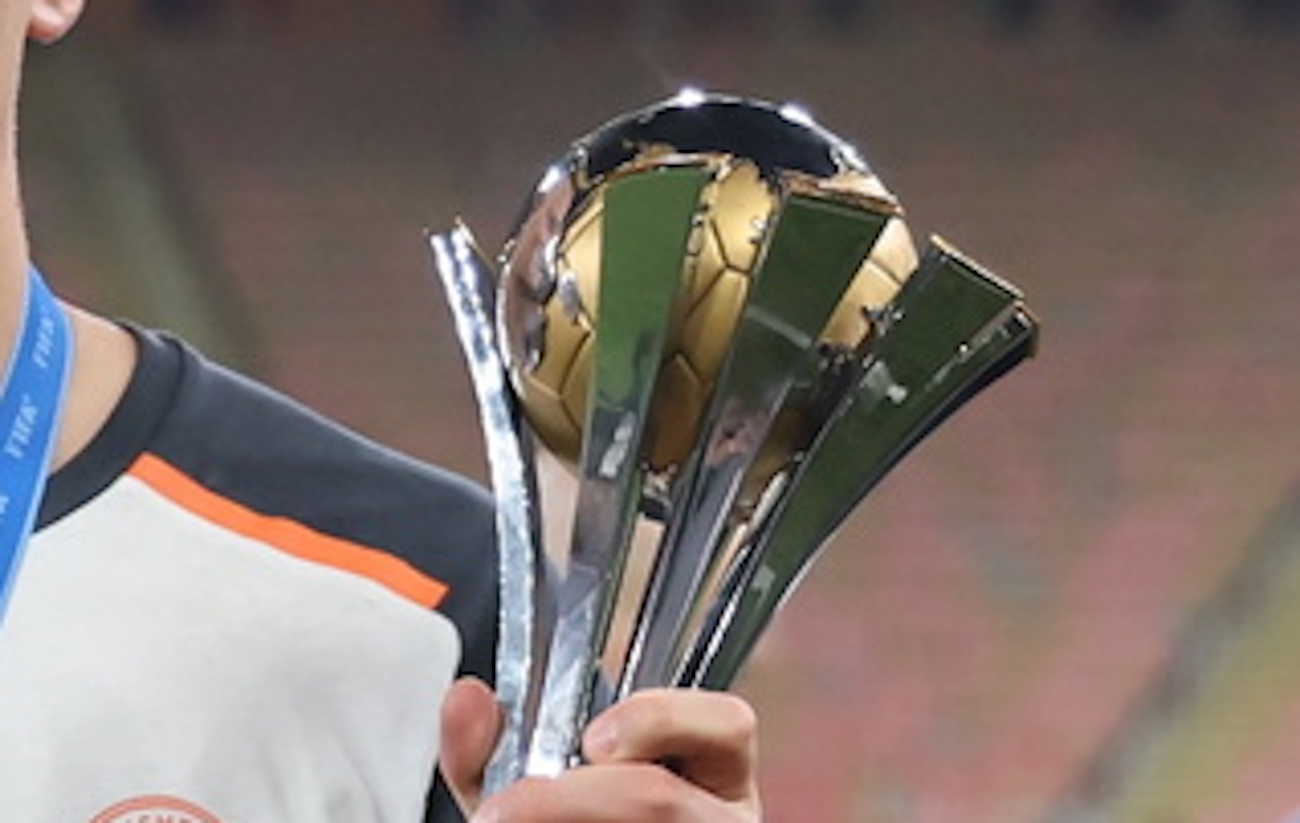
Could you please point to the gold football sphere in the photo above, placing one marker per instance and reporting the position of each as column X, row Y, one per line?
column 551, row 264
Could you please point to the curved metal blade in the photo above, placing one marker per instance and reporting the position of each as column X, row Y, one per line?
column 523, row 626
column 812, row 254
column 648, row 221
column 954, row 329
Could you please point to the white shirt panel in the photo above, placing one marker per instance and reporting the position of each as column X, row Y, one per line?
column 149, row 651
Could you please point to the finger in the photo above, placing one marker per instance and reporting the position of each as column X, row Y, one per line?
column 610, row 793
column 471, row 721
column 710, row 738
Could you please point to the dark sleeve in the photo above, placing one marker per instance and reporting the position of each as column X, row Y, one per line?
column 442, row 809
column 472, row 606
column 276, row 455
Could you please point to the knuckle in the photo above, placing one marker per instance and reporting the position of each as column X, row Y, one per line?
column 738, row 718
column 647, row 712
column 651, row 705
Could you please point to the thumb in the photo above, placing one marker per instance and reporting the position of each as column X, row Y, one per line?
column 471, row 721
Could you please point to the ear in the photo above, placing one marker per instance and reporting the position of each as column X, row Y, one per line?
column 51, row 19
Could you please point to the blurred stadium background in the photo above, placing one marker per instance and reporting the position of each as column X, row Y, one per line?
column 1078, row 601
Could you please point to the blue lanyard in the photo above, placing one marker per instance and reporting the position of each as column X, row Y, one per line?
column 34, row 385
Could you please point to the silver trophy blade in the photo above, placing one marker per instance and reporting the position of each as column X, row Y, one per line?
column 523, row 605
column 648, row 222
column 954, row 329
column 813, row 252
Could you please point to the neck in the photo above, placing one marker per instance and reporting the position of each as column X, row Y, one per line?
column 103, row 354
column 103, row 357
column 13, row 264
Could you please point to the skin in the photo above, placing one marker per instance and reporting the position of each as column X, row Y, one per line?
column 708, row 738
column 103, row 353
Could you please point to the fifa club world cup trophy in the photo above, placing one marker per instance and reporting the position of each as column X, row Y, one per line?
column 713, row 311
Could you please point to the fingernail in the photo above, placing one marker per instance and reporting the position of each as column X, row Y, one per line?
column 601, row 739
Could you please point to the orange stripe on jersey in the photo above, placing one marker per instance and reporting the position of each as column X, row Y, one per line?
column 287, row 535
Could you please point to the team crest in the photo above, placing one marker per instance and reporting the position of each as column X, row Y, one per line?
column 154, row 809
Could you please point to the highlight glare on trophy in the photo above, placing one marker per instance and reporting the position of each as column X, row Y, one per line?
column 712, row 310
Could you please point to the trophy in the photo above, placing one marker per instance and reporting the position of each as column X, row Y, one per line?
column 713, row 311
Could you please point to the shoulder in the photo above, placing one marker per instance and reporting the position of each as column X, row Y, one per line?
column 272, row 453
column 247, row 443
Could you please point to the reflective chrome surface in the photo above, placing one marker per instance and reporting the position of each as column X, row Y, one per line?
column 523, row 632
column 712, row 310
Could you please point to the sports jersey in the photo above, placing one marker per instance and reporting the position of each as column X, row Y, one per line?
column 236, row 611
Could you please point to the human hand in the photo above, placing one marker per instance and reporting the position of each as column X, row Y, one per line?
column 709, row 738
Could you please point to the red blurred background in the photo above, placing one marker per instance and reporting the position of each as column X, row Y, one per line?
column 1077, row 601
